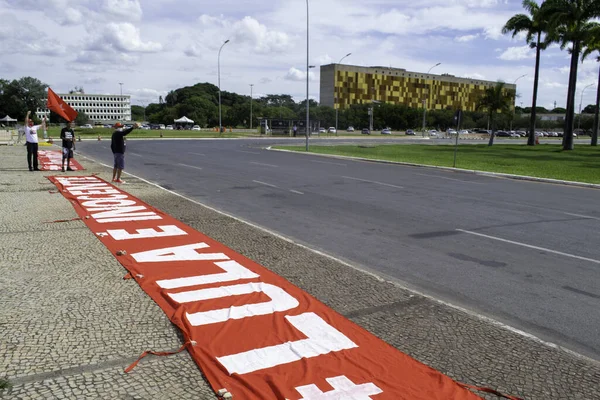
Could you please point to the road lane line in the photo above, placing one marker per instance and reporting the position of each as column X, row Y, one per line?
column 583, row 216
column 264, row 183
column 325, row 162
column 189, row 166
column 135, row 154
column 530, row 246
column 378, row 183
column 247, row 152
column 295, row 191
column 450, row 179
column 198, row 154
column 264, row 165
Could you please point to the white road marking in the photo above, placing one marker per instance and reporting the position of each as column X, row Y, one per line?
column 189, row 166
column 530, row 246
column 198, row 154
column 247, row 152
column 264, row 165
column 295, row 191
column 378, row 183
column 266, row 184
column 450, row 179
column 325, row 162
column 583, row 216
column 379, row 278
column 135, row 154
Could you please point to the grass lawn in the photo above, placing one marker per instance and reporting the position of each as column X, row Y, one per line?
column 543, row 161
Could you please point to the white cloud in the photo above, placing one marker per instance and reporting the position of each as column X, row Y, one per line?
column 126, row 37
column 474, row 76
column 517, row 53
column 466, row 38
column 323, row 60
column 294, row 74
column 129, row 9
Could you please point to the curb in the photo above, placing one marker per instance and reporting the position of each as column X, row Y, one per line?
column 470, row 171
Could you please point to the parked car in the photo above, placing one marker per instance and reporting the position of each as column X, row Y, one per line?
column 350, row 129
column 502, row 134
column 366, row 131
column 162, row 126
column 433, row 132
column 145, row 127
column 463, row 132
column 169, row 127
column 331, row 130
column 386, row 131
column 322, row 130
column 515, row 135
column 196, row 127
column 86, row 126
column 410, row 132
column 451, row 132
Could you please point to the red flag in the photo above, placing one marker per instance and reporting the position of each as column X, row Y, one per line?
column 58, row 105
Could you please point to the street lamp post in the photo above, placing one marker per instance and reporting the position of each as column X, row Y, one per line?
column 307, row 74
column 251, row 86
column 513, row 114
column 120, row 100
column 337, row 106
column 219, row 78
column 581, row 103
column 425, row 101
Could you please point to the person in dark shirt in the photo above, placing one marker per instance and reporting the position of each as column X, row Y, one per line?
column 117, row 145
column 68, row 145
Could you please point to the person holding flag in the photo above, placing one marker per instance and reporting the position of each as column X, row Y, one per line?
column 31, row 137
column 68, row 145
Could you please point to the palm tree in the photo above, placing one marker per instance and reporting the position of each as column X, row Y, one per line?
column 495, row 99
column 592, row 45
column 534, row 26
column 569, row 24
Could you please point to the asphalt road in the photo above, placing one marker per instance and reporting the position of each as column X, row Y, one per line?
column 520, row 252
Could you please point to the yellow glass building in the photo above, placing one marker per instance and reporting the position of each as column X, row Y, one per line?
column 345, row 85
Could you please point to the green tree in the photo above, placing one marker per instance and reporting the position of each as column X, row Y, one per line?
column 534, row 25
column 137, row 113
column 570, row 23
column 82, row 119
column 22, row 95
column 593, row 44
column 494, row 100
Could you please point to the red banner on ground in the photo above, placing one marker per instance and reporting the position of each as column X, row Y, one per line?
column 51, row 160
column 252, row 332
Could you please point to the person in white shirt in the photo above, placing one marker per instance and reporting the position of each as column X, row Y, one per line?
column 31, row 137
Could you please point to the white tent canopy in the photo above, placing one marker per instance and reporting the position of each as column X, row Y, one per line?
column 7, row 119
column 184, row 120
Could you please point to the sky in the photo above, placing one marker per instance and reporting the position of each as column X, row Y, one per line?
column 154, row 46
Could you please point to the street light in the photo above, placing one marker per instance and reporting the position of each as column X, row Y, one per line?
column 251, row 86
column 219, row 77
column 121, row 99
column 307, row 71
column 337, row 98
column 425, row 101
column 580, row 104
column 347, row 55
column 513, row 114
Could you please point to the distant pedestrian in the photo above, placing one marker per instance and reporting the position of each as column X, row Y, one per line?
column 68, row 145
column 31, row 137
column 117, row 146
column 295, row 129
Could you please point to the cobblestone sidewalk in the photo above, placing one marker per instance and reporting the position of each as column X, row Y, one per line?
column 70, row 325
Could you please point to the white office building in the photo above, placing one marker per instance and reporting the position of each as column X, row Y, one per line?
column 98, row 107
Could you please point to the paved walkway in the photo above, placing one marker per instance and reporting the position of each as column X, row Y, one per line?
column 70, row 325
